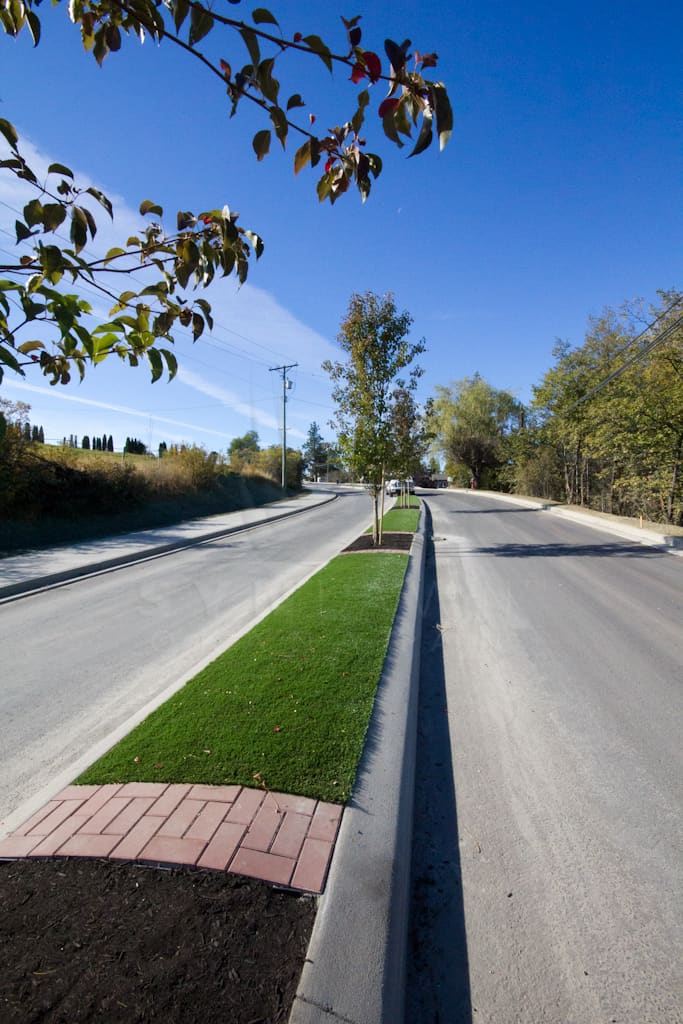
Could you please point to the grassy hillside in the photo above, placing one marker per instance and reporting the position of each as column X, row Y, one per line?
column 51, row 495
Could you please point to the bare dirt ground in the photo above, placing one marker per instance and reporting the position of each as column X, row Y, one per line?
column 96, row 940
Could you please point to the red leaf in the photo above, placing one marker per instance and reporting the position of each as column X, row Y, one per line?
column 429, row 60
column 373, row 64
column 297, row 37
column 311, row 118
column 276, row 728
column 357, row 73
column 329, row 165
column 387, row 105
column 226, row 69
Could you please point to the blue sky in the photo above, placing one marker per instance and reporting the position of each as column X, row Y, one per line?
column 559, row 194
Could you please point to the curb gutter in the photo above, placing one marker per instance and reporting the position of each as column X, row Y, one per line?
column 356, row 961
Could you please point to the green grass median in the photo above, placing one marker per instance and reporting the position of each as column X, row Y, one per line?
column 287, row 706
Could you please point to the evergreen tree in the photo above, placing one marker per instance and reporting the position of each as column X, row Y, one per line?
column 27, row 431
column 314, row 453
column 41, row 435
column 110, row 444
column 85, row 443
column 34, row 433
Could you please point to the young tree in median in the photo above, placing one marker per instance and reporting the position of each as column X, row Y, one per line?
column 207, row 243
column 409, row 437
column 374, row 337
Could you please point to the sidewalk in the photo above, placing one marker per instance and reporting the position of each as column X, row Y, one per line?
column 33, row 570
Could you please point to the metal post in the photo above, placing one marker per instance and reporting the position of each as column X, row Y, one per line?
column 284, row 369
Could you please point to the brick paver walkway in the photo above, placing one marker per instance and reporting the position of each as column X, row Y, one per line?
column 283, row 839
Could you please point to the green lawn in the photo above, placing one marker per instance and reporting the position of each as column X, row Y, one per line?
column 401, row 520
column 288, row 705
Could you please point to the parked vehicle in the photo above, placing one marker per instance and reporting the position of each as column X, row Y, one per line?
column 394, row 487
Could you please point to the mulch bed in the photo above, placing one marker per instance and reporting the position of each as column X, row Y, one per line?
column 390, row 542
column 95, row 940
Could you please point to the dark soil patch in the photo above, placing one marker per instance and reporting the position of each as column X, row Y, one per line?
column 390, row 542
column 94, row 940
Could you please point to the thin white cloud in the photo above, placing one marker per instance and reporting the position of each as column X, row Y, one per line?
column 112, row 407
column 232, row 401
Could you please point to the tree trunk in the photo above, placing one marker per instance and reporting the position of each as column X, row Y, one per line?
column 674, row 481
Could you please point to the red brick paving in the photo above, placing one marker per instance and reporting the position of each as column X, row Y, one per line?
column 284, row 839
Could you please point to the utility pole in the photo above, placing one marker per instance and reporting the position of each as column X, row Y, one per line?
column 286, row 384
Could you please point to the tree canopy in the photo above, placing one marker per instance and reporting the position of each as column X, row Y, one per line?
column 470, row 418
column 209, row 243
column 610, row 414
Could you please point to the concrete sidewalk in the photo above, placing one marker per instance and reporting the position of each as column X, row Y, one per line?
column 595, row 520
column 35, row 570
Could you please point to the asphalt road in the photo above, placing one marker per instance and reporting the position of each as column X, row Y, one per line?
column 547, row 851
column 79, row 661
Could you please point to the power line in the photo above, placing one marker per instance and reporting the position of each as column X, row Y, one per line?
column 644, row 351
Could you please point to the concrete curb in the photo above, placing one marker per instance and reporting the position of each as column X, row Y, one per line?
column 356, row 960
column 28, row 586
column 667, row 542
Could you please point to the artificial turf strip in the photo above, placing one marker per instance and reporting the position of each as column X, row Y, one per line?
column 288, row 705
column 400, row 520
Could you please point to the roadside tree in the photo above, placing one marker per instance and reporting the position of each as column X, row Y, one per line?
column 470, row 420
column 374, row 337
column 314, row 453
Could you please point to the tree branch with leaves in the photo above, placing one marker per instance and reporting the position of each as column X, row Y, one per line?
column 212, row 242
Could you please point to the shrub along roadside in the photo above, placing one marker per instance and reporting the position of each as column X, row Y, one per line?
column 52, row 496
column 286, row 707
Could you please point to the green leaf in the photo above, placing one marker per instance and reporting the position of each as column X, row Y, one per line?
column 389, row 125
column 79, row 228
column 147, row 206
column 52, row 262
column 171, row 362
column 60, row 169
column 201, row 23
column 295, row 101
column 101, row 199
column 269, row 86
column 9, row 132
column 324, row 187
column 263, row 17
column 316, row 44
column 156, row 362
column 257, row 244
column 444, row 113
column 33, row 213
column 251, row 43
column 29, row 346
column 90, row 220
column 9, row 359
column 114, row 254
column 359, row 116
column 197, row 326
column 54, row 214
column 302, row 156
column 206, row 310
column 180, row 9
column 186, row 219
column 424, row 139
column 261, row 143
column 279, row 119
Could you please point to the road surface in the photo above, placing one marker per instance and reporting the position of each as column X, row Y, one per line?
column 547, row 854
column 78, row 661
